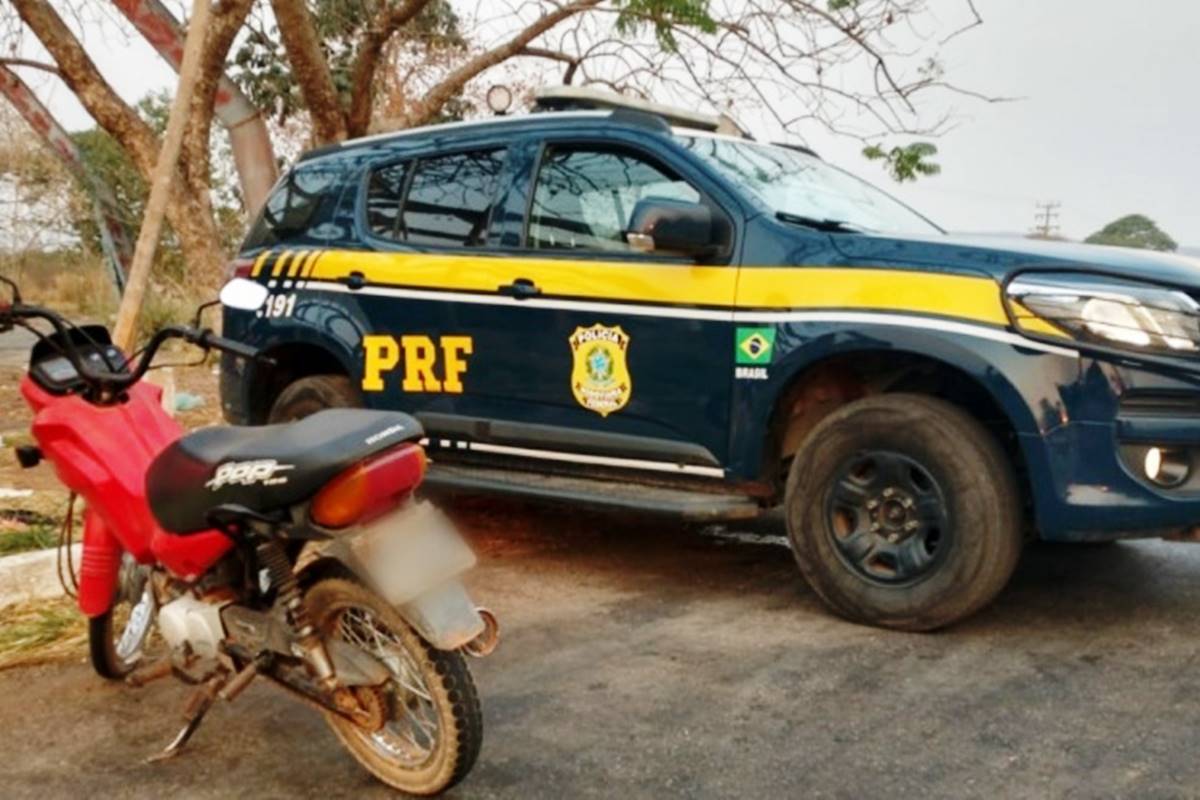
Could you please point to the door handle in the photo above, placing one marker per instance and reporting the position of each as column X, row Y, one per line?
column 521, row 289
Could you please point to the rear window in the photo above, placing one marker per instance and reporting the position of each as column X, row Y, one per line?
column 304, row 200
column 445, row 200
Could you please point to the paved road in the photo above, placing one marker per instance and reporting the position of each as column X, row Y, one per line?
column 646, row 660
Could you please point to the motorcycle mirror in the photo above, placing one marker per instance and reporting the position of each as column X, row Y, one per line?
column 244, row 295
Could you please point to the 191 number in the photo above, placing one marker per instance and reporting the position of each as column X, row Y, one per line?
column 280, row 305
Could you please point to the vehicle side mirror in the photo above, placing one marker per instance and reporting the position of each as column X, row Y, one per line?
column 244, row 295
column 674, row 227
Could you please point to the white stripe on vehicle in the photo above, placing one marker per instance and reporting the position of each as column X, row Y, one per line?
column 587, row 458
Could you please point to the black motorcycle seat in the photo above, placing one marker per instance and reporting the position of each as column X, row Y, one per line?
column 265, row 468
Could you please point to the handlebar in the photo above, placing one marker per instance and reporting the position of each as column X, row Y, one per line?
column 107, row 382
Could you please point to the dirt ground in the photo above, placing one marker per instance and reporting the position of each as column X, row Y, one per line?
column 644, row 658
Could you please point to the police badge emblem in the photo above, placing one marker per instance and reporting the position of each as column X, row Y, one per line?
column 600, row 376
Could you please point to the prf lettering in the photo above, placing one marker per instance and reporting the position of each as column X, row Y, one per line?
column 382, row 353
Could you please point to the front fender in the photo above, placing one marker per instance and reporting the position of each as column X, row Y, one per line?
column 1028, row 381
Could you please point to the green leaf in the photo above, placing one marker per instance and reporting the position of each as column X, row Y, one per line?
column 665, row 16
column 907, row 162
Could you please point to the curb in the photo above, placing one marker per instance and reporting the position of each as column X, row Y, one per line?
column 32, row 576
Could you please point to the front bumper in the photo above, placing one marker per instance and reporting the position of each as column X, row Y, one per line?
column 1086, row 474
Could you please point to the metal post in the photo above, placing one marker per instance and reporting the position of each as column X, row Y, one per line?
column 114, row 239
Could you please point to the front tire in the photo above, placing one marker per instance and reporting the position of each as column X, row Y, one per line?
column 434, row 726
column 903, row 513
column 118, row 637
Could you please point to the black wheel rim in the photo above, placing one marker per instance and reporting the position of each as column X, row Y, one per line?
column 886, row 515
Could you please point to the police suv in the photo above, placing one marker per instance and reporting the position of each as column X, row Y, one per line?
column 622, row 305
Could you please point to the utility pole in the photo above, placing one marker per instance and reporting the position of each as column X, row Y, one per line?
column 1045, row 225
column 160, row 178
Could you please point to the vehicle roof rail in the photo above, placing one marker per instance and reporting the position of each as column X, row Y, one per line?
column 799, row 148
column 559, row 98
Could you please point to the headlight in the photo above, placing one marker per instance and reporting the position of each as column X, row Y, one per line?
column 1106, row 311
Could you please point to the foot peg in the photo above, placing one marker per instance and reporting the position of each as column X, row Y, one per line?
column 149, row 673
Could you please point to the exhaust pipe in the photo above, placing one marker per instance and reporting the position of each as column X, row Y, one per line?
column 485, row 643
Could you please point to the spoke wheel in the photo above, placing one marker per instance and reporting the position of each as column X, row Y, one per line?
column 118, row 637
column 431, row 723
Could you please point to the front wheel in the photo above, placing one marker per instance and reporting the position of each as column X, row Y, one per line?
column 902, row 512
column 117, row 638
column 431, row 727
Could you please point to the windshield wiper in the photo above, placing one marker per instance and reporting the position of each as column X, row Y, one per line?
column 830, row 225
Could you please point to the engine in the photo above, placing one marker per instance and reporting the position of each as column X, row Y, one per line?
column 191, row 625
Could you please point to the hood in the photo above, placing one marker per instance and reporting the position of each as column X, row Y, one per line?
column 1002, row 255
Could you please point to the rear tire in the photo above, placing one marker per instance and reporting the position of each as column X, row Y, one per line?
column 403, row 754
column 903, row 512
column 312, row 394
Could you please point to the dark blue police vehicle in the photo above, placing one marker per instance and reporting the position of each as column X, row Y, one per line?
column 636, row 307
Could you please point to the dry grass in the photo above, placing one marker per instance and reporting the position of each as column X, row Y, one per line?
column 42, row 631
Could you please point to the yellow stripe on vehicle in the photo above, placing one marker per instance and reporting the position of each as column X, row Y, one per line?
column 306, row 270
column 959, row 296
column 617, row 281
column 293, row 266
column 258, row 263
column 280, row 264
column 300, row 262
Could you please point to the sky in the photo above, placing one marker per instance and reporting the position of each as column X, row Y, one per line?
column 1105, row 123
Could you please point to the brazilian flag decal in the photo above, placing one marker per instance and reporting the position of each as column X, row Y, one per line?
column 754, row 345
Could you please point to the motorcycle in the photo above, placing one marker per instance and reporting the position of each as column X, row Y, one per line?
column 295, row 552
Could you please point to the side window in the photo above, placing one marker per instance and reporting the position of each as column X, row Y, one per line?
column 304, row 199
column 584, row 198
column 449, row 199
column 384, row 190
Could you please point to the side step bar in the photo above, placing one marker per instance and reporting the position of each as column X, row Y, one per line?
column 593, row 493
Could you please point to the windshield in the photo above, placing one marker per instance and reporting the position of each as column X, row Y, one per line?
column 798, row 185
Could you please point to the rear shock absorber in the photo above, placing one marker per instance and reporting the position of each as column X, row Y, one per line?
column 272, row 557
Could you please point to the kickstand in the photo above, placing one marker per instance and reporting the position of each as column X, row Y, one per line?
column 198, row 705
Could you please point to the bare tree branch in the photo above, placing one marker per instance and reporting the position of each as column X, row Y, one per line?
column 453, row 83
column 27, row 62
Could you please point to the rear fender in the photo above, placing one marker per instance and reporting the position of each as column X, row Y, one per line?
column 444, row 616
column 433, row 600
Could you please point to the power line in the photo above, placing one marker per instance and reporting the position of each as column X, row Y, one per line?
column 1045, row 220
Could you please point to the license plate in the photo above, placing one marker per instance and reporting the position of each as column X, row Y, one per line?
column 411, row 552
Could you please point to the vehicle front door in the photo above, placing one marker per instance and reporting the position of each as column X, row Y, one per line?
column 630, row 354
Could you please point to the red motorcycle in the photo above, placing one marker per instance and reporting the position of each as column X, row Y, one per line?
column 297, row 552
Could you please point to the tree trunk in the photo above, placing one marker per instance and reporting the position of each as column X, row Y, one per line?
column 161, row 178
column 189, row 210
column 310, row 70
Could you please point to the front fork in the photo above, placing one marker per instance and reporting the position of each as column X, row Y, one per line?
column 100, row 566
